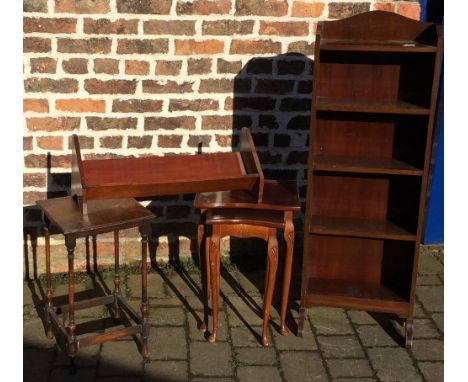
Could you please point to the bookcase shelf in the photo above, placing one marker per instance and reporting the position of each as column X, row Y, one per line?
column 373, row 106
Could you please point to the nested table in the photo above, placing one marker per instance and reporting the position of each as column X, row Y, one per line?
column 238, row 213
column 103, row 216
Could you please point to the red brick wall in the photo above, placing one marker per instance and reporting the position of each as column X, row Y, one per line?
column 160, row 77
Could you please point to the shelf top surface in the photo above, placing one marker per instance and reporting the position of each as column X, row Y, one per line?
column 65, row 213
column 376, row 45
column 164, row 169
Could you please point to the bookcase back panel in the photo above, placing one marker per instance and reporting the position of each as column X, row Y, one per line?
column 351, row 134
column 344, row 258
column 350, row 196
column 397, row 266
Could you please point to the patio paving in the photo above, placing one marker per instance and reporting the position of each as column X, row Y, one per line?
column 338, row 345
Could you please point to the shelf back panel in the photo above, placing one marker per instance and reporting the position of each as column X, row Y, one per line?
column 345, row 258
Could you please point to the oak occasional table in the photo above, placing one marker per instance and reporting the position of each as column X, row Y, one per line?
column 103, row 216
column 238, row 213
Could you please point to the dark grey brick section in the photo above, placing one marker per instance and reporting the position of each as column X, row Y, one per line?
column 211, row 359
column 340, row 347
column 168, row 344
column 349, row 368
column 330, row 321
column 253, row 373
column 393, row 364
column 170, row 371
column 120, row 358
column 256, row 356
column 302, row 366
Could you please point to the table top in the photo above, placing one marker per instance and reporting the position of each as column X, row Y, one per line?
column 277, row 196
column 103, row 215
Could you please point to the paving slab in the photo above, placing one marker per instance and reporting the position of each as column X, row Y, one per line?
column 256, row 356
column 330, row 321
column 255, row 373
column 156, row 287
column 428, row 350
column 302, row 366
column 37, row 364
column 349, row 368
column 244, row 310
column 167, row 317
column 196, row 335
column 62, row 374
column 361, row 317
column 243, row 336
column 432, row 371
column 167, row 371
column 34, row 335
column 429, row 264
column 292, row 342
column 340, row 347
column 439, row 320
column 431, row 297
column 393, row 365
column 120, row 358
column 375, row 335
column 168, row 343
column 208, row 359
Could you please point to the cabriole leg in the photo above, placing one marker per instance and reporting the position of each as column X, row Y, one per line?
column 272, row 266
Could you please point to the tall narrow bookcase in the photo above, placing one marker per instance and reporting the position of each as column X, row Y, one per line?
column 373, row 105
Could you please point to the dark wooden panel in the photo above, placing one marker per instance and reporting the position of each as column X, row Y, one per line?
column 406, row 46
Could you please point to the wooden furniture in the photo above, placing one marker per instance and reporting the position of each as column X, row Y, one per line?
column 167, row 175
column 103, row 216
column 373, row 103
column 239, row 214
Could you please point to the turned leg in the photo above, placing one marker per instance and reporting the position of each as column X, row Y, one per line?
column 289, row 238
column 48, row 306
column 408, row 333
column 300, row 324
column 272, row 266
column 214, row 270
column 70, row 243
column 144, row 292
column 116, row 276
column 203, row 273
column 206, row 265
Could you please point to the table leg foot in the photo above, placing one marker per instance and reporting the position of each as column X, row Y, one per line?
column 212, row 337
column 284, row 330
column 408, row 333
column 300, row 324
column 265, row 341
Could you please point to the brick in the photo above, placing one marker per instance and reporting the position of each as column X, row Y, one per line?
column 140, row 142
column 126, row 46
column 82, row 6
column 188, row 47
column 432, row 371
column 150, row 86
column 36, row 179
column 36, row 45
column 254, row 47
column 410, row 10
column 203, row 7
column 193, row 105
column 304, row 87
column 170, row 141
column 281, row 140
column 75, row 66
column 43, row 65
column 350, row 368
column 288, row 67
column 110, row 142
column 90, row 45
column 216, row 86
column 225, row 66
column 35, row 6
column 343, row 10
column 284, row 28
column 49, row 25
column 50, row 143
column 254, row 103
column 303, row 9
column 168, row 68
column 216, row 122
column 302, row 47
column 40, row 161
column 260, row 66
column 45, row 85
column 137, row 106
column 195, row 140
column 261, row 7
column 139, row 68
column 157, row 7
column 98, row 123
column 299, row 123
column 227, row 27
column 27, row 143
column 225, row 140
column 106, row 26
column 94, row 86
column 251, row 373
column 172, row 27
column 85, row 142
column 30, row 198
column 199, row 66
column 81, row 105
column 295, row 104
column 53, row 124
column 106, row 65
column 228, row 104
column 167, row 370
column 203, row 354
column 36, row 105
column 169, row 123
column 340, row 347
column 389, row 7
column 274, row 86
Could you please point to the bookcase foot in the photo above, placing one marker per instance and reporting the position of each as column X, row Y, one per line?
column 408, row 333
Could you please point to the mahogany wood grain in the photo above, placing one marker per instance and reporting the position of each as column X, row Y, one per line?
column 375, row 84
